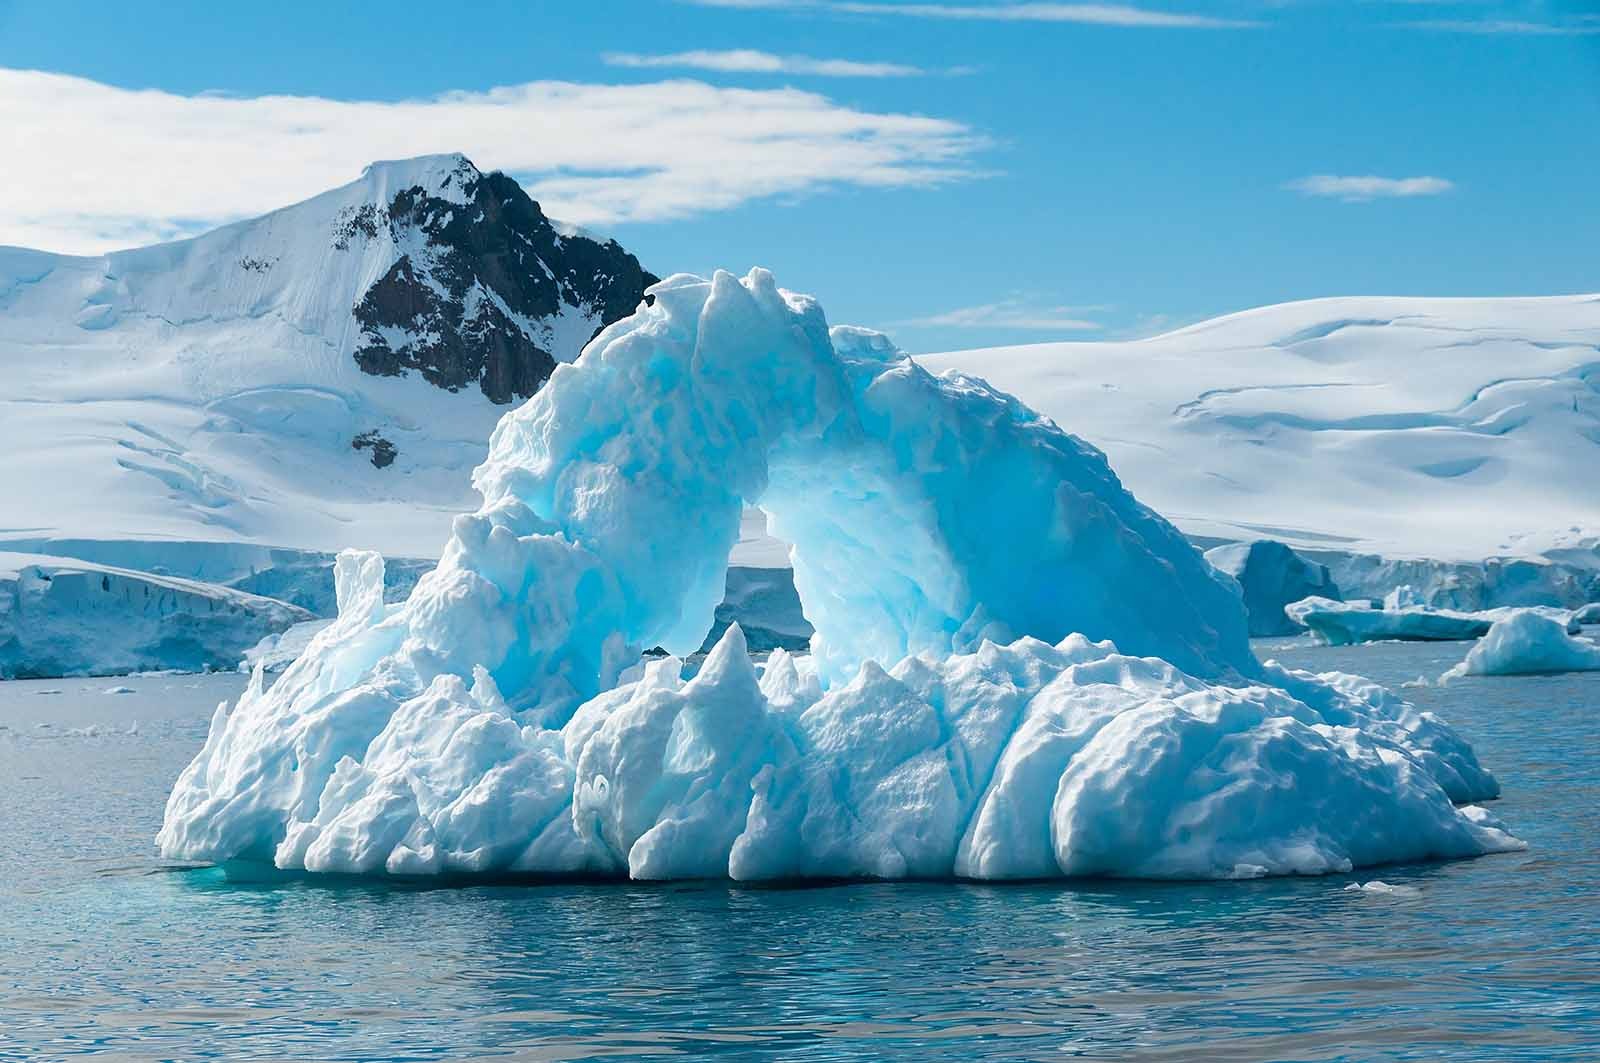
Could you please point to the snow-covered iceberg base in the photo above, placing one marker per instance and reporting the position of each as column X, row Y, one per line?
column 1020, row 761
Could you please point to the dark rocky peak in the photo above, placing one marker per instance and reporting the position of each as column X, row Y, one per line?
column 485, row 290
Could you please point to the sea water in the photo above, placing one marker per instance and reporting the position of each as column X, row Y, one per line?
column 106, row 950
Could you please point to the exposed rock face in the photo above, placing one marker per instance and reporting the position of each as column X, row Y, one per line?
column 486, row 291
column 383, row 451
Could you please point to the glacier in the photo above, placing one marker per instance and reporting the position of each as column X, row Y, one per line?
column 1528, row 643
column 61, row 617
column 1017, row 669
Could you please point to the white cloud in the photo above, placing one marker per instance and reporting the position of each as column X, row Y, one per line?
column 1012, row 314
column 1087, row 14
column 1578, row 26
column 90, row 166
column 747, row 61
column 1362, row 189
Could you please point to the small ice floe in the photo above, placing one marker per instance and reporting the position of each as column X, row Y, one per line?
column 117, row 690
column 1420, row 681
column 91, row 731
column 133, row 728
column 1528, row 643
column 47, row 690
column 1403, row 618
column 1379, row 886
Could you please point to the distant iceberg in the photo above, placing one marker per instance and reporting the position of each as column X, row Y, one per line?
column 1401, row 618
column 1271, row 577
column 1528, row 643
column 1017, row 669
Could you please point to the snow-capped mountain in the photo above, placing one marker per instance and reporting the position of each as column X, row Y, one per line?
column 327, row 376
column 1456, row 429
column 324, row 375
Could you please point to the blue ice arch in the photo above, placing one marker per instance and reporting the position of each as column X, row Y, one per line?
column 1018, row 669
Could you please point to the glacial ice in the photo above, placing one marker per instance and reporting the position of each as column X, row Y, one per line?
column 1566, row 575
column 61, row 616
column 276, row 652
column 1347, row 623
column 1272, row 576
column 1528, row 643
column 1017, row 669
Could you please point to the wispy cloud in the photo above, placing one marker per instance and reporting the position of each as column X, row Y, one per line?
column 1085, row 14
column 1576, row 26
column 1364, row 188
column 1012, row 314
column 748, row 61
column 91, row 166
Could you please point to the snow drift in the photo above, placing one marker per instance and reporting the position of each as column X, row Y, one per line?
column 957, row 555
column 1528, row 643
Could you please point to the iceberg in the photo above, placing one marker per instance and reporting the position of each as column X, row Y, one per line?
column 276, row 652
column 1528, row 643
column 1017, row 670
column 1271, row 577
column 763, row 602
column 1347, row 623
column 62, row 616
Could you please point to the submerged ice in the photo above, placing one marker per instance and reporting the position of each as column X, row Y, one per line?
column 1017, row 669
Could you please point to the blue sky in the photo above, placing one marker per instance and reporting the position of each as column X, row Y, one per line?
column 1022, row 172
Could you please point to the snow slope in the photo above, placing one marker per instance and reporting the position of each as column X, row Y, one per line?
column 1456, row 429
column 246, row 386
